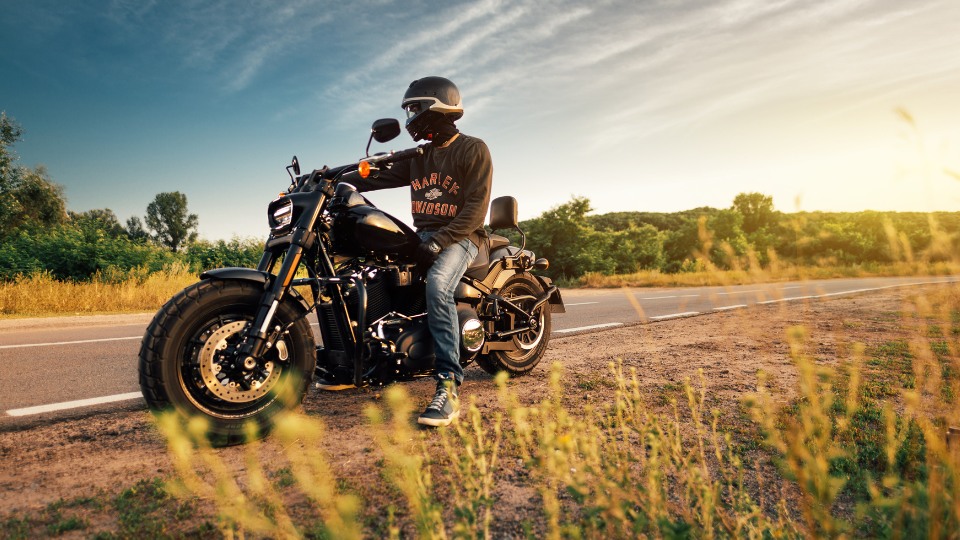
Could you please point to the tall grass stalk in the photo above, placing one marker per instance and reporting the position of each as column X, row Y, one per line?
column 626, row 471
column 246, row 499
column 406, row 461
column 203, row 473
column 811, row 439
column 472, row 451
column 850, row 426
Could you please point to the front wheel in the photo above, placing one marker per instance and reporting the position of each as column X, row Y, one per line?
column 529, row 346
column 186, row 360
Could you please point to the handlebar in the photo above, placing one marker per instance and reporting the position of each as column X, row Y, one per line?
column 396, row 156
column 383, row 159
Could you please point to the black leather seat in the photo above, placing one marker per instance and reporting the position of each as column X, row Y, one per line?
column 503, row 215
column 478, row 268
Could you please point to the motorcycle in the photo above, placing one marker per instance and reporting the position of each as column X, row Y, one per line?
column 238, row 347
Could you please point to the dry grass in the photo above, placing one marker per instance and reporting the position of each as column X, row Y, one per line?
column 771, row 274
column 40, row 295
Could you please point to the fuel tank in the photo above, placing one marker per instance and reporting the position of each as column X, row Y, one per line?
column 361, row 229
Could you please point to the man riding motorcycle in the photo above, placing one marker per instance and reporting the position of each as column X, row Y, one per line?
column 449, row 192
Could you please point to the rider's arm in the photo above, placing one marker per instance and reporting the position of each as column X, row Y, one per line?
column 477, row 173
column 397, row 175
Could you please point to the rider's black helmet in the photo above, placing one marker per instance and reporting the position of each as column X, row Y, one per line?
column 428, row 100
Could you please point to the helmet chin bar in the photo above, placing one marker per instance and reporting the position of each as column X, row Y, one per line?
column 439, row 129
column 421, row 126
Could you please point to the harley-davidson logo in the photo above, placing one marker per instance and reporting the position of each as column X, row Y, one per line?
column 433, row 194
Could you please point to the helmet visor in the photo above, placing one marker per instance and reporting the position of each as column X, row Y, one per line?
column 412, row 109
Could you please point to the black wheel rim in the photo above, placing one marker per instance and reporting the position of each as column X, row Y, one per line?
column 528, row 341
column 208, row 385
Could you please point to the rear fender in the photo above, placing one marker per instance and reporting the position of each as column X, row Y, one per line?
column 499, row 276
column 556, row 302
column 250, row 275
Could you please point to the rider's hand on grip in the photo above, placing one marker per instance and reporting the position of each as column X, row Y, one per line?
column 427, row 253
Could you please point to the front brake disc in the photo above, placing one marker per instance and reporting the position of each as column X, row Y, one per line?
column 215, row 378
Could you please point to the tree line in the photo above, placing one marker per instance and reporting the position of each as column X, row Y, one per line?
column 750, row 233
column 39, row 234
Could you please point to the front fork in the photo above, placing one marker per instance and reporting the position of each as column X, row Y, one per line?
column 256, row 341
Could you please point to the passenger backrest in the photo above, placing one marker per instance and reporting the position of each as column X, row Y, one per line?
column 503, row 213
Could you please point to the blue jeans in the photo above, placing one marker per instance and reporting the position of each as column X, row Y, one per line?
column 442, row 280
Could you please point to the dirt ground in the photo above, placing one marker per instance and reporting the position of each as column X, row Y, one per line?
column 105, row 453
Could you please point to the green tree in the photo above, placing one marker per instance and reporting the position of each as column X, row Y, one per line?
column 28, row 198
column 563, row 236
column 636, row 248
column 682, row 245
column 136, row 231
column 757, row 210
column 10, row 133
column 729, row 240
column 98, row 220
column 204, row 255
column 169, row 220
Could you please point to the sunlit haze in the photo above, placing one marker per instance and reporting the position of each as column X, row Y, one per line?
column 636, row 105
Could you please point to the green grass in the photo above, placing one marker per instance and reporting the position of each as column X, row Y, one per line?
column 144, row 510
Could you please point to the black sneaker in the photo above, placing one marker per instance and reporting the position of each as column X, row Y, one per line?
column 330, row 385
column 444, row 408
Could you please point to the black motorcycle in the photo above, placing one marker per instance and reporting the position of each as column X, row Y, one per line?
column 238, row 346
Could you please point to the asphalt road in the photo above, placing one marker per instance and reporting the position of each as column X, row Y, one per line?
column 75, row 366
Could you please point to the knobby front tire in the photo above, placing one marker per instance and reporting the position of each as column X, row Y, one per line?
column 182, row 352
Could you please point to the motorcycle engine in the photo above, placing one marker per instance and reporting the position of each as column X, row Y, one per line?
column 398, row 342
column 412, row 341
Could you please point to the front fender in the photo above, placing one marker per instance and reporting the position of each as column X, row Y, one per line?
column 264, row 279
column 239, row 274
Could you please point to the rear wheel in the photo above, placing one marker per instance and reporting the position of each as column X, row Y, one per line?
column 530, row 345
column 186, row 360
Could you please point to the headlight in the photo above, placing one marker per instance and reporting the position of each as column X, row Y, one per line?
column 280, row 216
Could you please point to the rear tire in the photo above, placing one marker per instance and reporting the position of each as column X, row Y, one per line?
column 531, row 345
column 180, row 360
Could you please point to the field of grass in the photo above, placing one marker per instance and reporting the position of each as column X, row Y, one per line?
column 867, row 447
column 770, row 274
column 40, row 295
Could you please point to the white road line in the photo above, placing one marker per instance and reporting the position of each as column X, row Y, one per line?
column 855, row 291
column 740, row 292
column 67, row 342
column 674, row 296
column 793, row 287
column 787, row 299
column 849, row 292
column 674, row 315
column 591, row 327
column 27, row 411
column 724, row 308
column 581, row 304
column 54, row 343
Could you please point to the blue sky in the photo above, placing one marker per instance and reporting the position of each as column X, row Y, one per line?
column 637, row 105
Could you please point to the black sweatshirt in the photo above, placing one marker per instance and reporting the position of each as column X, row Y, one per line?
column 449, row 188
